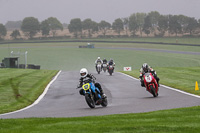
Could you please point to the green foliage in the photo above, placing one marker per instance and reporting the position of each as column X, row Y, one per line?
column 30, row 26
column 147, row 27
column 118, row 25
column 54, row 24
column 20, row 88
column 15, row 34
column 13, row 25
column 104, row 26
column 162, row 25
column 3, row 31
column 174, row 25
column 154, row 17
column 75, row 26
column 192, row 25
column 45, row 27
column 89, row 25
column 133, row 25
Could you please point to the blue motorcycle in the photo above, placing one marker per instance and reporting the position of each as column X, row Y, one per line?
column 92, row 95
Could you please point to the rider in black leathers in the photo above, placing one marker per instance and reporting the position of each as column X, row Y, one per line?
column 111, row 62
column 145, row 69
column 104, row 61
column 84, row 76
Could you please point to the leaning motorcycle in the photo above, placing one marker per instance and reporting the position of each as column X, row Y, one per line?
column 151, row 84
column 110, row 69
column 92, row 95
column 98, row 68
column 104, row 67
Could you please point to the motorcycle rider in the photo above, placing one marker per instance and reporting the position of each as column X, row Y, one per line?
column 111, row 62
column 98, row 60
column 145, row 69
column 104, row 65
column 84, row 76
column 104, row 61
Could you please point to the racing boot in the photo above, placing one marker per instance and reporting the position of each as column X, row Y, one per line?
column 142, row 83
column 103, row 95
column 158, row 81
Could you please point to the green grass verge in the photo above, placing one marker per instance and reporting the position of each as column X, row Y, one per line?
column 184, row 120
column 182, row 78
column 21, row 87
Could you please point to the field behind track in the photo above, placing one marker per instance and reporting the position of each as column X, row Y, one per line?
column 67, row 56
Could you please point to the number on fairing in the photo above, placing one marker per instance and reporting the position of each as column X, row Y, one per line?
column 148, row 78
column 86, row 86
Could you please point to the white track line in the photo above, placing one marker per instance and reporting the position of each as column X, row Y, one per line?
column 186, row 93
column 39, row 98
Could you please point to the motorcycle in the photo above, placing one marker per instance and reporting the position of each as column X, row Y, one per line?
column 99, row 68
column 92, row 95
column 110, row 69
column 104, row 67
column 151, row 84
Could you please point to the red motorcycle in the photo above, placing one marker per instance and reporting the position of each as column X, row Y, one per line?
column 110, row 69
column 151, row 84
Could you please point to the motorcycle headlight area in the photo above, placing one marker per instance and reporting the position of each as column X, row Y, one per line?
column 86, row 86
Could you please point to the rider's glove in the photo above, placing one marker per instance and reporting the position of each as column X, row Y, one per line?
column 78, row 86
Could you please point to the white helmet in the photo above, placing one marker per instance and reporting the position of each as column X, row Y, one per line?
column 98, row 58
column 83, row 72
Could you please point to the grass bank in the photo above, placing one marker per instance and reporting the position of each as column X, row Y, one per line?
column 184, row 120
column 21, row 87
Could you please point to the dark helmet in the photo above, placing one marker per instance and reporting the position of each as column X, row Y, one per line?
column 111, row 60
column 145, row 67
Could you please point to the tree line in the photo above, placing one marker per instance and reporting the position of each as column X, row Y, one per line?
column 136, row 24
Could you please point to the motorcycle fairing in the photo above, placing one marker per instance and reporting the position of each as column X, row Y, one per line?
column 87, row 86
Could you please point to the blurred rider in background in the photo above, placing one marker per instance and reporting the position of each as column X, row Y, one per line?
column 105, row 61
column 98, row 60
column 111, row 62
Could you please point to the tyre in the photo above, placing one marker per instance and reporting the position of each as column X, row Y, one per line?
column 89, row 101
column 153, row 91
column 110, row 72
column 104, row 102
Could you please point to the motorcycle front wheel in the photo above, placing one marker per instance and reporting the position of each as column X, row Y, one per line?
column 110, row 72
column 153, row 91
column 89, row 101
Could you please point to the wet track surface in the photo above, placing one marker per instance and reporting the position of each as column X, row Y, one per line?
column 125, row 95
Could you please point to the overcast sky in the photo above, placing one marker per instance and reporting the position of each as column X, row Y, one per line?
column 97, row 10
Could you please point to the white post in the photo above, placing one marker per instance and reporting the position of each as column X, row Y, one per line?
column 11, row 53
column 26, row 59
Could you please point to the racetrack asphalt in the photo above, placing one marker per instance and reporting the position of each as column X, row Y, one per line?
column 125, row 95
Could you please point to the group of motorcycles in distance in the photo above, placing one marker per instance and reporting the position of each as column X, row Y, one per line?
column 105, row 67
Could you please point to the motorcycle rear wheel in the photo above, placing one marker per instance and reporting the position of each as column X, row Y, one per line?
column 104, row 102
